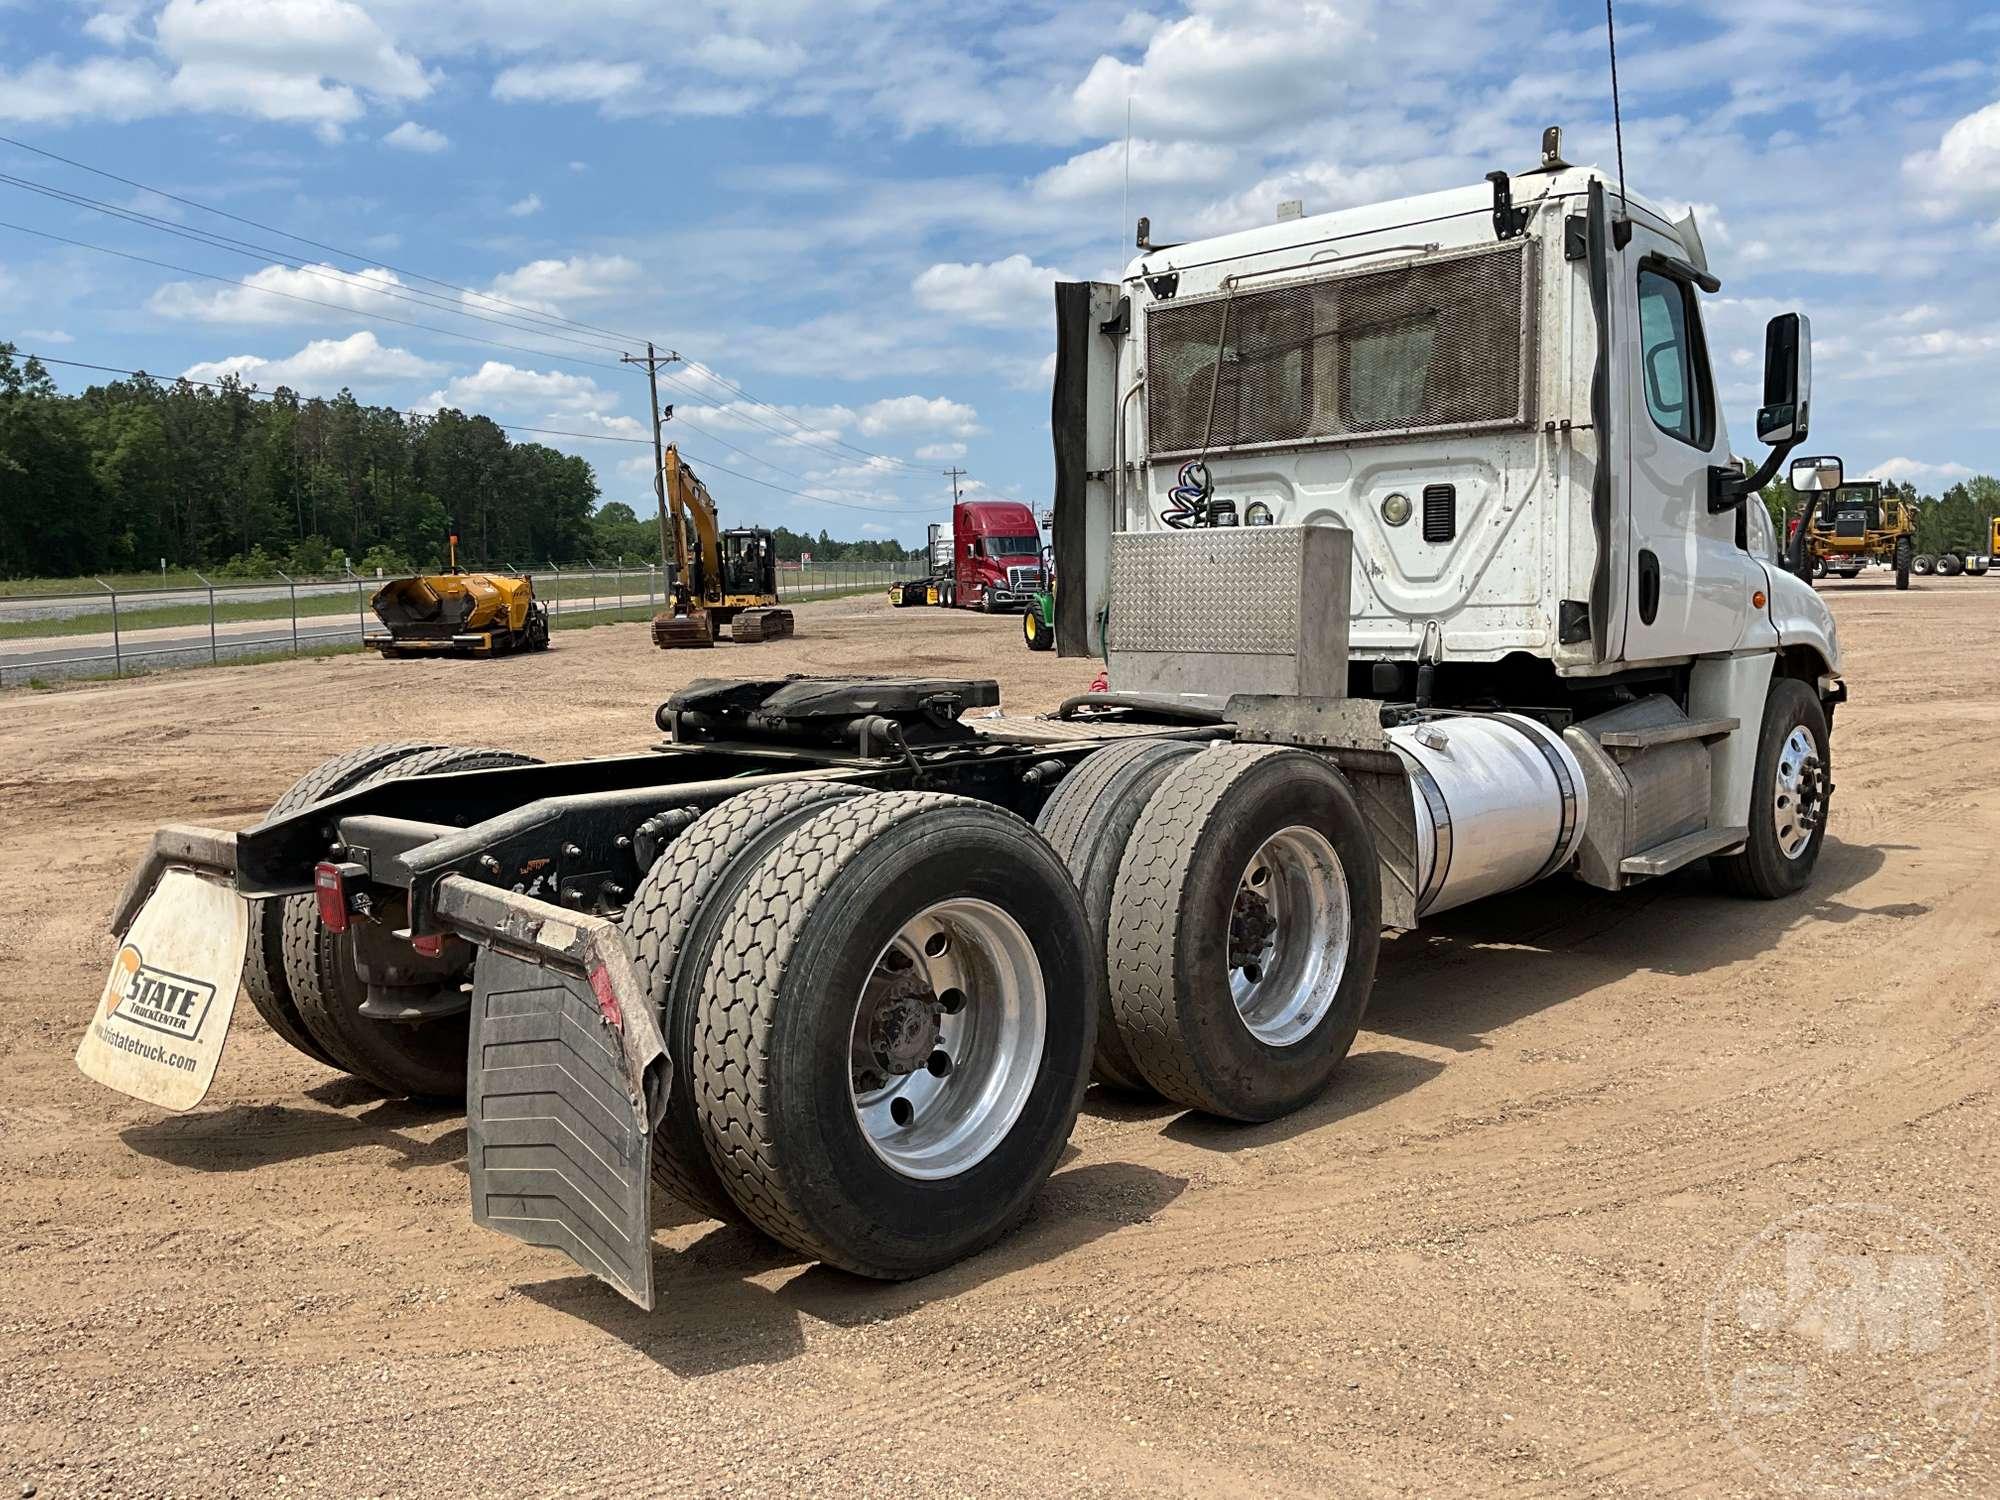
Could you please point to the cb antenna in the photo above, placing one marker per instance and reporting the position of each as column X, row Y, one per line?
column 1617, row 119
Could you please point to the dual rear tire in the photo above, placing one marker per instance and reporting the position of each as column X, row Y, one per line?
column 881, row 1008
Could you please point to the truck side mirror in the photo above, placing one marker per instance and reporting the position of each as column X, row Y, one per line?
column 1815, row 476
column 1783, row 418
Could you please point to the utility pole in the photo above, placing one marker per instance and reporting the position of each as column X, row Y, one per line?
column 652, row 362
column 954, row 473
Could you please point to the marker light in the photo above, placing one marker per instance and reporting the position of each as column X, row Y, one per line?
column 1396, row 509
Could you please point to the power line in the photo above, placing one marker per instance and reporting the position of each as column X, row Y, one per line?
column 731, row 386
column 493, row 299
column 299, row 238
column 450, row 333
column 428, row 300
column 594, row 437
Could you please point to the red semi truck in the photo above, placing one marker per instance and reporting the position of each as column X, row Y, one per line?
column 989, row 558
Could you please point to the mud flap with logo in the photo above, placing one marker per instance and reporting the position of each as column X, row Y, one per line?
column 164, row 1014
column 558, row 1141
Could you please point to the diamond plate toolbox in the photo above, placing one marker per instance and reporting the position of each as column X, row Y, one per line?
column 1230, row 609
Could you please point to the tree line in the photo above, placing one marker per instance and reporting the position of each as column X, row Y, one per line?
column 141, row 471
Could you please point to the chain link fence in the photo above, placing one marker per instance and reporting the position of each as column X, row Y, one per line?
column 105, row 631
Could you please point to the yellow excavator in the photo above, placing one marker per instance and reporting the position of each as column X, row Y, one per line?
column 726, row 578
column 455, row 613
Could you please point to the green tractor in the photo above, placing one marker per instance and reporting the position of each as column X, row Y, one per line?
column 1038, row 620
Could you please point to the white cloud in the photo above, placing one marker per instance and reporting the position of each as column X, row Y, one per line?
column 522, row 207
column 48, row 92
column 1230, row 68
column 1014, row 291
column 568, row 83
column 941, row 451
column 747, row 57
column 498, row 386
column 581, row 278
column 1101, row 172
column 410, row 136
column 299, row 61
column 1966, row 163
column 41, row 335
column 1912, row 470
column 322, row 366
column 918, row 414
column 354, row 291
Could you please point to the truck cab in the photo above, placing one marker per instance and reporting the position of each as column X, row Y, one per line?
column 996, row 555
column 1502, row 398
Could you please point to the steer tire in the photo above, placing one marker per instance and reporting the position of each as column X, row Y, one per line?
column 1173, row 924
column 774, row 1044
column 423, row 1059
column 1088, row 822
column 264, row 958
column 1762, row 870
column 675, row 912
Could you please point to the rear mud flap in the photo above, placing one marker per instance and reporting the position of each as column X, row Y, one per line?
column 558, row 1143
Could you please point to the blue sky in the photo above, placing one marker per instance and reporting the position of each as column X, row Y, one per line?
column 853, row 211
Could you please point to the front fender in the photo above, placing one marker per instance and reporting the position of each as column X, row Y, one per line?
column 1802, row 620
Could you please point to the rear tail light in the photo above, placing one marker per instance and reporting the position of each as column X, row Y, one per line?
column 330, row 890
column 430, row 945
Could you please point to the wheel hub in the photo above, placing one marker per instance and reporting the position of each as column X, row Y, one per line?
column 1290, row 927
column 948, row 1037
column 1798, row 793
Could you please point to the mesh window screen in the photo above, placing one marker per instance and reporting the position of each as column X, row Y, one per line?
column 1438, row 344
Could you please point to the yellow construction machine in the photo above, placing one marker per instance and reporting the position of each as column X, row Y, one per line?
column 456, row 613
column 724, row 578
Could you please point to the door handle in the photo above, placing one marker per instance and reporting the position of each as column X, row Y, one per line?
column 1649, row 587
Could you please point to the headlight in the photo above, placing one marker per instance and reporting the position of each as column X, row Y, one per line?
column 1396, row 509
column 1259, row 514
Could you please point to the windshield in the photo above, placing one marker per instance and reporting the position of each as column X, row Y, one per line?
column 1013, row 546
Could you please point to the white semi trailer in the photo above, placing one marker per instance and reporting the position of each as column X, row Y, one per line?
column 1411, row 541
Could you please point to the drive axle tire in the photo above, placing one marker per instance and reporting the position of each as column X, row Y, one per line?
column 1245, row 924
column 675, row 913
column 1034, row 631
column 264, row 959
column 1788, row 798
column 424, row 1058
column 1088, row 822
column 1905, row 555
column 895, row 1034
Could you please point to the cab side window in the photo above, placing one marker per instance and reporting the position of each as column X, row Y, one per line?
column 1673, row 363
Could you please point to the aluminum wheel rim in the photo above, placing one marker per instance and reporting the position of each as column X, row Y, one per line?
column 1797, row 796
column 947, row 1038
column 1291, row 927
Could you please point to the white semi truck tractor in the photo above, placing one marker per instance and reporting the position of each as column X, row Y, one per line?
column 1412, row 544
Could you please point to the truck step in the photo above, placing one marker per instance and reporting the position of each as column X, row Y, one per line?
column 1664, row 859
column 1667, row 734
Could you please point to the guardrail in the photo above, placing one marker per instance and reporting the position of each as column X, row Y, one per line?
column 305, row 614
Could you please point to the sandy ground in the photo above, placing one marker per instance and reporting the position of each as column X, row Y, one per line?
column 1480, row 1266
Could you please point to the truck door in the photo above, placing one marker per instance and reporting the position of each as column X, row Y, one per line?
column 1689, row 587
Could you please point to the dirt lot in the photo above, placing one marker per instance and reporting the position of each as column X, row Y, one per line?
column 1480, row 1266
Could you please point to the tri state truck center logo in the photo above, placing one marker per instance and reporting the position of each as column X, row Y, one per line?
column 158, row 999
